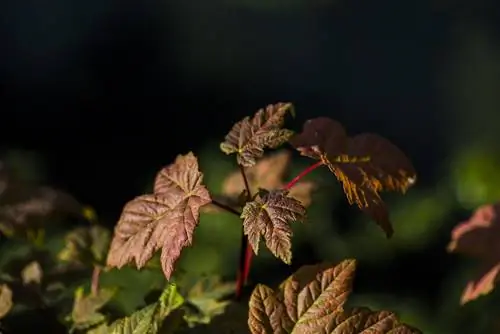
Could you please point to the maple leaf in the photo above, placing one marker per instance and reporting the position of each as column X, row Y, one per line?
column 268, row 173
column 270, row 215
column 312, row 301
column 365, row 164
column 86, row 308
column 165, row 220
column 250, row 136
column 478, row 237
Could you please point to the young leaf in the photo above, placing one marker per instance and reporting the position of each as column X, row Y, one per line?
column 5, row 300
column 32, row 273
column 85, row 245
column 270, row 215
column 478, row 237
column 165, row 220
column 149, row 319
column 249, row 137
column 365, row 164
column 85, row 311
column 312, row 301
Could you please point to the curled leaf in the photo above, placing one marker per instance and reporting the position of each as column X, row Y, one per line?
column 165, row 220
column 365, row 164
column 270, row 215
column 250, row 136
column 312, row 301
column 32, row 273
column 5, row 300
column 479, row 237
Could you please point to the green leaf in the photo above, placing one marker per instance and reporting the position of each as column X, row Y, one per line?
column 149, row 319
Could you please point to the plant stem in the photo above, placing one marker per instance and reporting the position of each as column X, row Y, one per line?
column 246, row 252
column 245, row 249
column 94, row 285
column 302, row 174
column 226, row 207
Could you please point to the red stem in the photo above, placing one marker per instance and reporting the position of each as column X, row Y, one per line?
column 247, row 251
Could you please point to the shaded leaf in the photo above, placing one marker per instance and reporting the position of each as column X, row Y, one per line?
column 206, row 296
column 312, row 301
column 86, row 308
column 249, row 137
column 85, row 245
column 149, row 319
column 479, row 237
column 270, row 215
column 5, row 300
column 365, row 164
column 32, row 273
column 165, row 220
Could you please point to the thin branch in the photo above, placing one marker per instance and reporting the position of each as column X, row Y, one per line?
column 226, row 207
column 94, row 285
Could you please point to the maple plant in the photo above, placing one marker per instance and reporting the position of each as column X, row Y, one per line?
column 312, row 300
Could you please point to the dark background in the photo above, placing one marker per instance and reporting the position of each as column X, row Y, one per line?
column 107, row 92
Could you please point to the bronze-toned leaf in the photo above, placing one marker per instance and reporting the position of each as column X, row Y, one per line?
column 249, row 137
column 32, row 273
column 5, row 300
column 312, row 301
column 479, row 237
column 270, row 215
column 165, row 220
column 366, row 164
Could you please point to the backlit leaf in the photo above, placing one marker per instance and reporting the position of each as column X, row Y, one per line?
column 249, row 137
column 269, row 216
column 312, row 301
column 5, row 300
column 32, row 273
column 365, row 164
column 479, row 237
column 165, row 220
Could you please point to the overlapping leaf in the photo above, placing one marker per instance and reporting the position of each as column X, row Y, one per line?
column 269, row 216
column 479, row 237
column 85, row 245
column 5, row 300
column 365, row 164
column 312, row 301
column 164, row 220
column 249, row 137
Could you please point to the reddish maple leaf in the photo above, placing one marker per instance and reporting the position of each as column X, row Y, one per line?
column 478, row 237
column 165, row 220
column 249, row 137
column 365, row 164
column 270, row 215
column 268, row 173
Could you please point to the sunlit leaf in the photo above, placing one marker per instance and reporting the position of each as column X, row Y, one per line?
column 32, row 273
column 250, row 136
column 165, row 220
column 365, row 164
column 269, row 216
